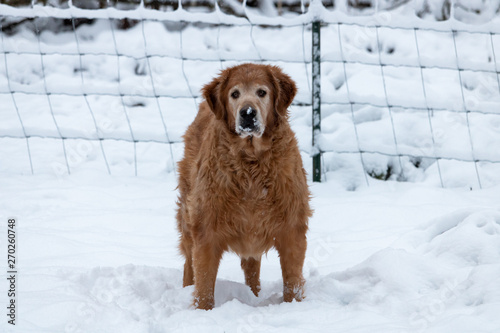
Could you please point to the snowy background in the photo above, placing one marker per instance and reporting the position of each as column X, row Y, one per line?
column 406, row 231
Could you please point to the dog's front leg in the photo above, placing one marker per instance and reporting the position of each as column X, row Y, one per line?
column 291, row 246
column 206, row 258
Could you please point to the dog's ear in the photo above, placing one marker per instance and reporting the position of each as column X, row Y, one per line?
column 285, row 90
column 213, row 94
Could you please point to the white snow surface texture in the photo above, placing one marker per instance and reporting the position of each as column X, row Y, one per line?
column 97, row 252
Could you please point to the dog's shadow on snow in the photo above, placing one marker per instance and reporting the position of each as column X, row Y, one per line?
column 156, row 288
column 226, row 291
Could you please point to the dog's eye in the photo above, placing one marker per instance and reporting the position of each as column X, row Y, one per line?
column 261, row 93
column 235, row 94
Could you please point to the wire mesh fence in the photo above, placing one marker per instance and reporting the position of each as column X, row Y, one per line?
column 399, row 98
column 455, row 87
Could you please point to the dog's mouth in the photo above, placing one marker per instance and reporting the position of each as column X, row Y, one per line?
column 249, row 131
column 249, row 122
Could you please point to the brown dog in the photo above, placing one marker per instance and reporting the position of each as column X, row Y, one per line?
column 241, row 181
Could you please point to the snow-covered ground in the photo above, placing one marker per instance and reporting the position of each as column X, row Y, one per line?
column 97, row 244
column 98, row 254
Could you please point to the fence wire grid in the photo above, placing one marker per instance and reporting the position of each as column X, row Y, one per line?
column 395, row 97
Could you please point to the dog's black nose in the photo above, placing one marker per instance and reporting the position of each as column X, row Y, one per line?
column 248, row 117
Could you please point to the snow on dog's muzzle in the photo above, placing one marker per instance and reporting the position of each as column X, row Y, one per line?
column 248, row 119
column 248, row 122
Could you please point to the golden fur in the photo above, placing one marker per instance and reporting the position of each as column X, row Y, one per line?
column 243, row 189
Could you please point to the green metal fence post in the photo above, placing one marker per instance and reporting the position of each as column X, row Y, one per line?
column 316, row 100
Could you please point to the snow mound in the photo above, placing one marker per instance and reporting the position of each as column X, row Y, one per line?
column 119, row 299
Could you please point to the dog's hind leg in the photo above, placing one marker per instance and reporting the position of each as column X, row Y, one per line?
column 186, row 245
column 251, row 268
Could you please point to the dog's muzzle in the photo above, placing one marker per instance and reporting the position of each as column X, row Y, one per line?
column 248, row 119
column 249, row 122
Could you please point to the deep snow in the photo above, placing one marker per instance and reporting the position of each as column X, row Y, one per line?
column 98, row 254
column 98, row 247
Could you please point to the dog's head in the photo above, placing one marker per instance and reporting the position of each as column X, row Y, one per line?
column 250, row 98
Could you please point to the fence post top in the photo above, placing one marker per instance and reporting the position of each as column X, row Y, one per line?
column 315, row 9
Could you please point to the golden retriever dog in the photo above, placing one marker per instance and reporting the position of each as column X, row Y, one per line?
column 241, row 182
